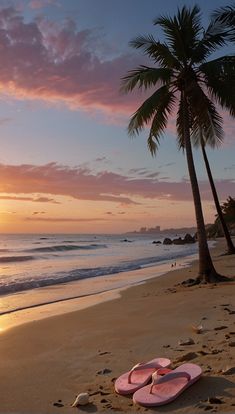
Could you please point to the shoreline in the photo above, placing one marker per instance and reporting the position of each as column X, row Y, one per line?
column 58, row 357
column 49, row 304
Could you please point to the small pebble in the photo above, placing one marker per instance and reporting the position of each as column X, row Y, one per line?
column 188, row 341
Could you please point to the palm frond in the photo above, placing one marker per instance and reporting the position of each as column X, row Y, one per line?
column 182, row 31
column 145, row 112
column 219, row 76
column 157, row 51
column 205, row 116
column 213, row 127
column 155, row 110
column 216, row 36
column 145, row 77
column 225, row 16
column 160, row 119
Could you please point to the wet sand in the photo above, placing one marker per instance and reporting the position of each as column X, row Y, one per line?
column 44, row 364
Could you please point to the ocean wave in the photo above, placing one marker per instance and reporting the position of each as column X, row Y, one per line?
column 11, row 259
column 73, row 275
column 85, row 273
column 65, row 248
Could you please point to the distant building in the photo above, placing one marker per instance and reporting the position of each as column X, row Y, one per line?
column 143, row 230
column 150, row 230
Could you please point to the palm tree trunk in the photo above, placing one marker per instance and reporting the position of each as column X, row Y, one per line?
column 207, row 272
column 231, row 248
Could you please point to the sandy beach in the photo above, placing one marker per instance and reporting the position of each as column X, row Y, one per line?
column 44, row 364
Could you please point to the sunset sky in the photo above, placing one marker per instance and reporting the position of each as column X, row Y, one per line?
column 66, row 161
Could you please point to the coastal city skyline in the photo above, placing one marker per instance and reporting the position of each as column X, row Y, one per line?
column 67, row 164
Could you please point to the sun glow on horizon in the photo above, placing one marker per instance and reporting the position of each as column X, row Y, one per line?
column 68, row 215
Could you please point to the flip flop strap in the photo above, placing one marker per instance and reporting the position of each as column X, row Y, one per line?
column 142, row 365
column 157, row 379
column 134, row 368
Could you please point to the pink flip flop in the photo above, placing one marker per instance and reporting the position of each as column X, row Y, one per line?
column 165, row 389
column 140, row 375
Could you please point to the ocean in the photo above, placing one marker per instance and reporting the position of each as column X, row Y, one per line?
column 32, row 261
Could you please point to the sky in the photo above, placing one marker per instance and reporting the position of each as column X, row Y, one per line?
column 67, row 163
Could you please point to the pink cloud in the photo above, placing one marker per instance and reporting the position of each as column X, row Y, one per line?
column 82, row 184
column 58, row 63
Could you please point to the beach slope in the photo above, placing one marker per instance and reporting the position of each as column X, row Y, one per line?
column 46, row 363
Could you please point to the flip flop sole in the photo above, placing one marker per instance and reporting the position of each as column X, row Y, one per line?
column 168, row 391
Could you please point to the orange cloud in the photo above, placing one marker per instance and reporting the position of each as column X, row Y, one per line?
column 63, row 219
column 83, row 184
column 35, row 200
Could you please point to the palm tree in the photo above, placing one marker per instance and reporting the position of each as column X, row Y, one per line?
column 230, row 245
column 182, row 76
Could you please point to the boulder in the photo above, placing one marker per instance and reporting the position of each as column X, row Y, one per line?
column 167, row 241
column 186, row 240
column 178, row 241
column 189, row 239
column 157, row 242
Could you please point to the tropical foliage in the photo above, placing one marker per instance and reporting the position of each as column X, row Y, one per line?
column 228, row 210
